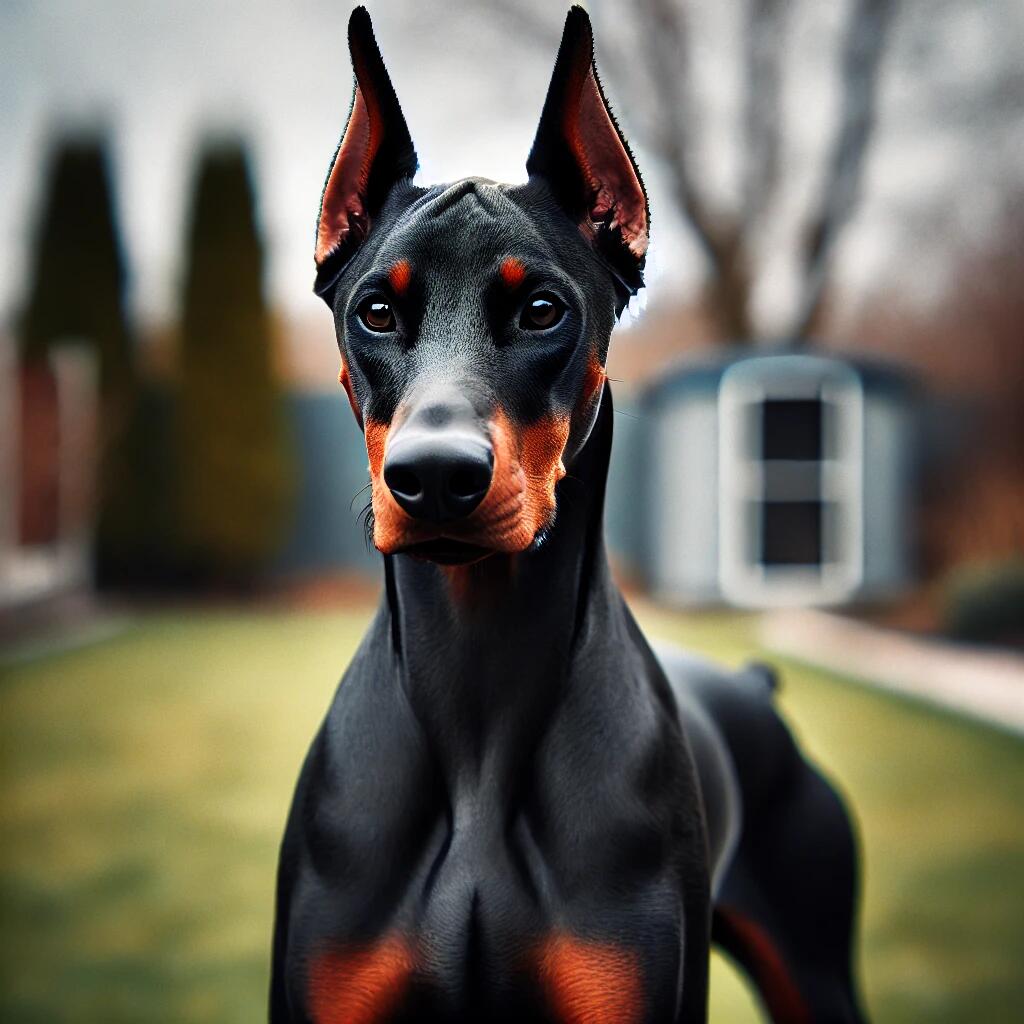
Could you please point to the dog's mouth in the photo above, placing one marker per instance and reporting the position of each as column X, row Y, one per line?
column 446, row 551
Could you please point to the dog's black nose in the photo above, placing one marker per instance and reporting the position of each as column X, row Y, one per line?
column 439, row 476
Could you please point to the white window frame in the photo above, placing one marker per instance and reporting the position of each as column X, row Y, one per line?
column 742, row 479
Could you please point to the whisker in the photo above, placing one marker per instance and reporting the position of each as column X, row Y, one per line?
column 365, row 487
column 366, row 515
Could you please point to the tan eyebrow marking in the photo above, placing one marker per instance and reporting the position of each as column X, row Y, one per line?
column 512, row 272
column 400, row 275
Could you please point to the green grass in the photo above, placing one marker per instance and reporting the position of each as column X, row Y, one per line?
column 144, row 783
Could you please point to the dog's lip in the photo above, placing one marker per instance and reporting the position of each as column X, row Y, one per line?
column 447, row 551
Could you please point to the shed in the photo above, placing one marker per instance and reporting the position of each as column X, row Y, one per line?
column 778, row 479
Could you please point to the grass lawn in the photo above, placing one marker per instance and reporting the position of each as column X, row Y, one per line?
column 144, row 782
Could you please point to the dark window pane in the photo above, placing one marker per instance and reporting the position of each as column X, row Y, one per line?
column 791, row 428
column 831, row 541
column 791, row 533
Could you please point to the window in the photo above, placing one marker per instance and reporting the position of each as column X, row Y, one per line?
column 790, row 532
column 790, row 507
column 790, row 428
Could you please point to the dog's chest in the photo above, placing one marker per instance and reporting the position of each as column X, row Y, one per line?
column 492, row 925
column 548, row 899
column 528, row 885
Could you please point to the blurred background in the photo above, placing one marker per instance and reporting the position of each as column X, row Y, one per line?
column 819, row 454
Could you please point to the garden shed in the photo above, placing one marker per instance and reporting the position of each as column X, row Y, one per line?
column 777, row 479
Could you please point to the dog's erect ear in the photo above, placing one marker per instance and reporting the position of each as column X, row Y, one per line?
column 581, row 153
column 375, row 152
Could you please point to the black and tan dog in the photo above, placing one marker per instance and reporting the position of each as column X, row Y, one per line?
column 514, row 810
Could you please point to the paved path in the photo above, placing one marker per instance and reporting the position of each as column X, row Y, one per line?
column 984, row 684
column 63, row 623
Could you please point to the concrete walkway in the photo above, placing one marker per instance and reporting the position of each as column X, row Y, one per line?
column 987, row 685
column 62, row 623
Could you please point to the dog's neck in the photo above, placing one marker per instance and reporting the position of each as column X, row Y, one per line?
column 485, row 651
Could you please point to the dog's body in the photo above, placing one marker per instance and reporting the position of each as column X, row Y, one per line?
column 514, row 810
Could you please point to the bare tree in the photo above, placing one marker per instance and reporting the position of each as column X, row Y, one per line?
column 653, row 60
column 868, row 24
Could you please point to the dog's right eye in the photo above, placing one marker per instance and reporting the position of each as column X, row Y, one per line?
column 544, row 310
column 376, row 314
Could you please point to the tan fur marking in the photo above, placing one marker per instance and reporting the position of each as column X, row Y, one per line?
column 512, row 272
column 400, row 275
column 345, row 380
column 360, row 986
column 519, row 502
column 591, row 982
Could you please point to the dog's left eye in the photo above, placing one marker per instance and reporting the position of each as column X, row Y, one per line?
column 542, row 311
column 377, row 315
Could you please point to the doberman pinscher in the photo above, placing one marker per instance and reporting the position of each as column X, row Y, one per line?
column 514, row 810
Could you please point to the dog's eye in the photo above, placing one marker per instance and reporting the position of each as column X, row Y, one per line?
column 544, row 310
column 377, row 315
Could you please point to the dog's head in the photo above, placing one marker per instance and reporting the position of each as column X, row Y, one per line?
column 473, row 319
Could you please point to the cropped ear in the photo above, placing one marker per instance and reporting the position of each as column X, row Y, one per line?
column 375, row 152
column 582, row 155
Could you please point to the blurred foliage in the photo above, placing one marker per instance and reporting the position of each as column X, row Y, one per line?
column 147, row 779
column 143, row 551
column 196, row 485
column 984, row 603
column 76, row 294
column 235, row 473
column 77, row 276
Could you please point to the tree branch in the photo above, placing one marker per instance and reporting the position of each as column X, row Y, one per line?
column 766, row 22
column 862, row 52
column 665, row 32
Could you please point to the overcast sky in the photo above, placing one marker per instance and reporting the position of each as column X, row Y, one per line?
column 159, row 75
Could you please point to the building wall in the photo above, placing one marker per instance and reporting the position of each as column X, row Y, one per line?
column 888, row 478
column 327, row 534
column 684, row 514
column 627, row 500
